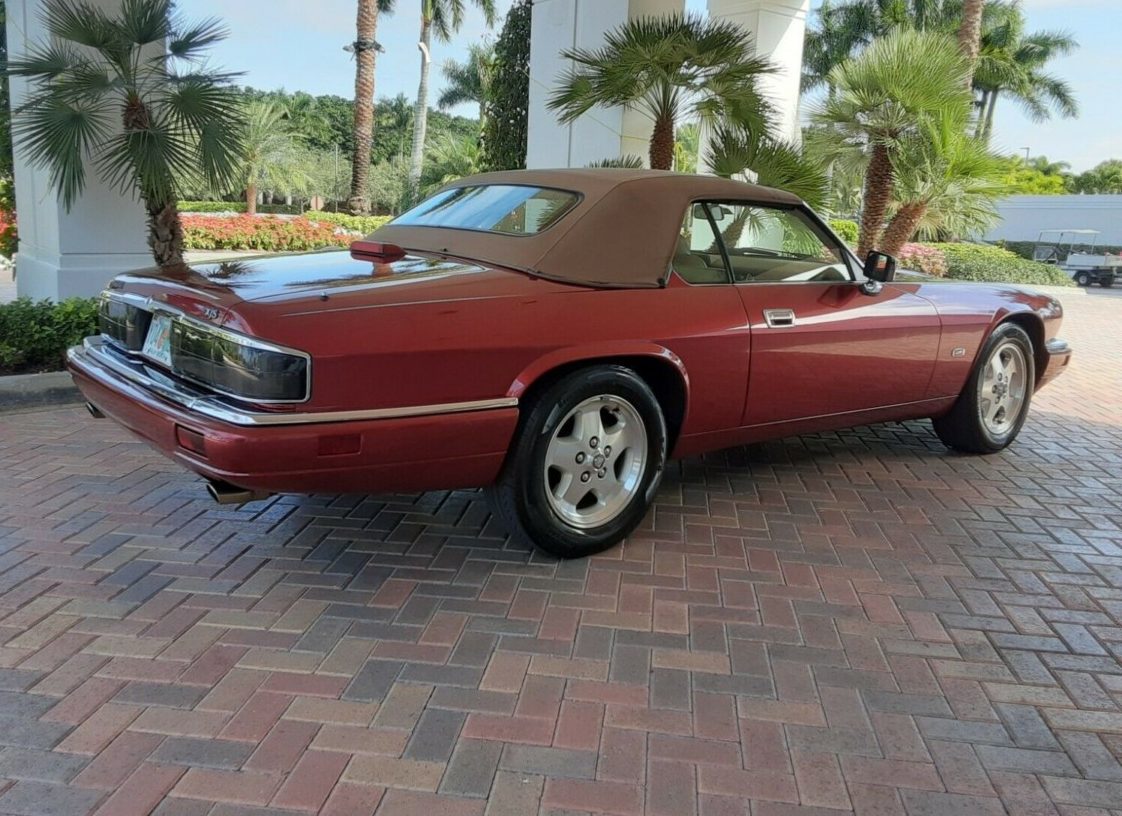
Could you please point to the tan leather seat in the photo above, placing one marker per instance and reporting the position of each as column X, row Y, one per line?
column 693, row 268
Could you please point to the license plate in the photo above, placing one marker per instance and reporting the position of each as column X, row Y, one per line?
column 157, row 345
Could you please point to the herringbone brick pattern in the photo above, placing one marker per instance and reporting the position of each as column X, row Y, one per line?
column 856, row 621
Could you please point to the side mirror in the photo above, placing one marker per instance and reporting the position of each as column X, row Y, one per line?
column 880, row 267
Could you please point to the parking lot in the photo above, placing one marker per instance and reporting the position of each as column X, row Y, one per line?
column 854, row 621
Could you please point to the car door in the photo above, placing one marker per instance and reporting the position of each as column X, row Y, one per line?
column 821, row 345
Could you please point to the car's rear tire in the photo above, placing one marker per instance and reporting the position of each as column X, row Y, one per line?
column 1106, row 282
column 992, row 407
column 585, row 463
column 1083, row 278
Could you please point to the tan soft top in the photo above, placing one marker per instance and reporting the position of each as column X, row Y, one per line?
column 623, row 232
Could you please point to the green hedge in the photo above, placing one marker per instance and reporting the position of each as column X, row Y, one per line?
column 35, row 336
column 981, row 262
column 237, row 207
column 365, row 224
column 847, row 230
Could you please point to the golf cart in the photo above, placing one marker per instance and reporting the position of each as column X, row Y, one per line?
column 1083, row 267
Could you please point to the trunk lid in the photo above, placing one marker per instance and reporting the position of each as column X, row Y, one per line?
column 209, row 291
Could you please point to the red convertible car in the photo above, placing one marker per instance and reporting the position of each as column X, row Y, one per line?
column 554, row 336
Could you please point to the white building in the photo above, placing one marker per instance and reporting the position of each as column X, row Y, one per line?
column 1024, row 216
column 74, row 253
column 778, row 28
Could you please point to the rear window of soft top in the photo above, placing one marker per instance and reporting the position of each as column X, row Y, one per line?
column 506, row 209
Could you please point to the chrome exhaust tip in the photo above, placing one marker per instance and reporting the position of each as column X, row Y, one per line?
column 95, row 412
column 226, row 493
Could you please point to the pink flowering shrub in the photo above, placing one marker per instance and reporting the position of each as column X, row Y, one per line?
column 923, row 258
column 266, row 233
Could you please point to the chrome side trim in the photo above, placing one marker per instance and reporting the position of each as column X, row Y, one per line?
column 94, row 361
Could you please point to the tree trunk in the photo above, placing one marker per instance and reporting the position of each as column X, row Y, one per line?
column 970, row 34
column 251, row 198
column 662, row 143
column 902, row 226
column 420, row 113
column 980, row 124
column 367, row 27
column 988, row 131
column 165, row 232
column 879, row 181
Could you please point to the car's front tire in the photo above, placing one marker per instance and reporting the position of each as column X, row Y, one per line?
column 992, row 407
column 1083, row 278
column 585, row 463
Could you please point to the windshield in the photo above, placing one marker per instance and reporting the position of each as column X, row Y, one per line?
column 501, row 208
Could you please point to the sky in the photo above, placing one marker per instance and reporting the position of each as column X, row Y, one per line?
column 298, row 45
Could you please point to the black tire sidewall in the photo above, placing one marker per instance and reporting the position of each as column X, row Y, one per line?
column 525, row 474
column 1082, row 279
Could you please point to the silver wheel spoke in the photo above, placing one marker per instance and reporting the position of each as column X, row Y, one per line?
column 562, row 454
column 574, row 491
column 589, row 424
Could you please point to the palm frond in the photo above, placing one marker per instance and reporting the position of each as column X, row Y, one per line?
column 770, row 162
column 79, row 22
column 58, row 135
column 45, row 62
column 628, row 162
column 190, row 41
column 144, row 22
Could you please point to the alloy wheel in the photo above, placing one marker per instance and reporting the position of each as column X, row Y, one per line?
column 594, row 463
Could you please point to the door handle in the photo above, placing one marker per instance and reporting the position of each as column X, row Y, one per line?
column 779, row 318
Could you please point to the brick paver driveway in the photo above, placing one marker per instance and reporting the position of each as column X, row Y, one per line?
column 853, row 621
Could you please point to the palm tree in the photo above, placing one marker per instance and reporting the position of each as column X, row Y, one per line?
column 444, row 17
column 1105, row 177
column 1007, row 59
column 750, row 155
column 739, row 153
column 1012, row 63
column 452, row 157
column 884, row 95
column 665, row 68
column 469, row 81
column 687, row 146
column 842, row 29
column 395, row 122
column 271, row 154
column 970, row 32
column 150, row 128
column 946, row 181
column 366, row 53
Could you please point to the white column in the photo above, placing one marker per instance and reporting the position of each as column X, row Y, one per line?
column 603, row 133
column 778, row 28
column 67, row 253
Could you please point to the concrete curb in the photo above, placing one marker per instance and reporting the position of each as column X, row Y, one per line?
column 21, row 391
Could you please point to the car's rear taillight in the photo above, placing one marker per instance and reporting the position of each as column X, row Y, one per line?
column 123, row 322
